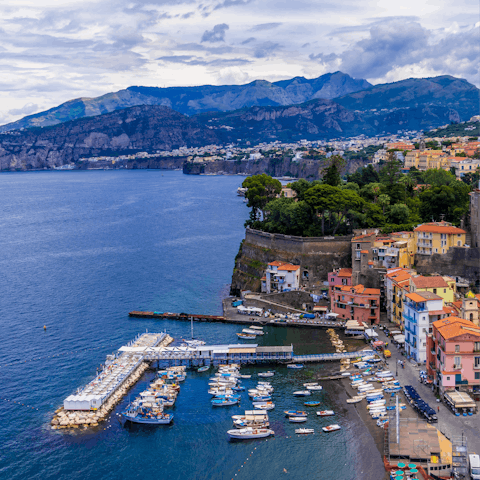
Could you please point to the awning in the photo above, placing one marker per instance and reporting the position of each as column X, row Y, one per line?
column 378, row 343
column 399, row 338
column 371, row 333
column 395, row 332
column 332, row 314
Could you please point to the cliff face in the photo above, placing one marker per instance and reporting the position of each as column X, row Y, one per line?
column 316, row 257
column 276, row 167
column 146, row 128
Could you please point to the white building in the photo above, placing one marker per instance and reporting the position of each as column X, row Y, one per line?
column 420, row 309
column 281, row 277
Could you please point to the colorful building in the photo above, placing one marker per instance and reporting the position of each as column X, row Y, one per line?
column 454, row 354
column 419, row 311
column 338, row 279
column 356, row 303
column 438, row 237
column 397, row 285
column 281, row 277
column 445, row 287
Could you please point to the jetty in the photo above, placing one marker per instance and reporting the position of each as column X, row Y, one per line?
column 92, row 403
column 240, row 319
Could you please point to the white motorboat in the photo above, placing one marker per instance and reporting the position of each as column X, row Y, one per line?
column 266, row 374
column 297, row 419
column 250, row 331
column 354, row 399
column 310, row 384
column 246, row 336
column 249, row 433
column 315, row 388
column 295, row 365
column 331, row 428
column 302, row 393
column 245, row 376
column 256, row 327
column 264, row 406
column 304, row 431
column 325, row 413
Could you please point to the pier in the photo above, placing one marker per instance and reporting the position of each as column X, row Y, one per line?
column 241, row 319
column 325, row 357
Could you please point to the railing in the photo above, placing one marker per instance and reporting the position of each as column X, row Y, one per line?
column 457, row 367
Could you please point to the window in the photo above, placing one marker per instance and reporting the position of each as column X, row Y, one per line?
column 358, row 246
column 477, row 362
column 476, row 346
column 457, row 349
column 448, row 378
column 357, row 254
column 435, row 290
column 444, row 290
column 477, row 375
column 458, row 362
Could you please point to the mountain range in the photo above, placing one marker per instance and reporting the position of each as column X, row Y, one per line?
column 193, row 100
column 412, row 104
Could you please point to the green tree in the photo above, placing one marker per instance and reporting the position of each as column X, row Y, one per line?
column 383, row 201
column 398, row 213
column 351, row 186
column 260, row 190
column 390, row 172
column 436, row 177
column 331, row 174
column 287, row 216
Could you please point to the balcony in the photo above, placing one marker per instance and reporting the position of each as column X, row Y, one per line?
column 457, row 367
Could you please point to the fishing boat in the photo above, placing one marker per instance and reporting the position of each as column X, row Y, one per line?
column 238, row 388
column 325, row 413
column 304, row 431
column 266, row 374
column 295, row 365
column 258, row 331
column 256, row 327
column 203, row 369
column 262, row 398
column 331, row 428
column 264, row 406
column 146, row 412
column 251, row 332
column 310, row 384
column 315, row 388
column 302, row 393
column 295, row 413
column 224, row 402
column 249, row 433
column 246, row 336
column 245, row 376
column 312, row 404
column 297, row 419
column 354, row 399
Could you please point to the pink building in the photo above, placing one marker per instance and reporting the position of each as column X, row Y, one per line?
column 339, row 278
column 453, row 355
column 356, row 303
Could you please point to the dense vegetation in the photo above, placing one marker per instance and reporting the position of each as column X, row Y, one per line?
column 386, row 199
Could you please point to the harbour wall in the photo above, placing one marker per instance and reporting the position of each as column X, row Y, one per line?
column 458, row 261
column 316, row 256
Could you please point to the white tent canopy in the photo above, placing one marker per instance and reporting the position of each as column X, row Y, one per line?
column 399, row 338
column 369, row 332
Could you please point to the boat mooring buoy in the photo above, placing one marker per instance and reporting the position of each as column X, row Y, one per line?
column 44, row 327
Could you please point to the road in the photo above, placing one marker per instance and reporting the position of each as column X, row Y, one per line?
column 448, row 423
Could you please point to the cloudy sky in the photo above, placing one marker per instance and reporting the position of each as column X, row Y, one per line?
column 55, row 50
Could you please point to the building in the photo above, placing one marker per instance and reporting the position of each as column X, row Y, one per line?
column 397, row 285
column 454, row 355
column 281, row 277
column 356, row 303
column 419, row 311
column 438, row 237
column 339, row 278
column 444, row 287
column 426, row 159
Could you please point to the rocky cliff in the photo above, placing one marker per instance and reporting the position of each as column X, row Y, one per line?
column 145, row 128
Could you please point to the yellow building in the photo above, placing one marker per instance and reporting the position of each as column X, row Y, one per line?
column 397, row 285
column 426, row 159
column 444, row 287
column 438, row 237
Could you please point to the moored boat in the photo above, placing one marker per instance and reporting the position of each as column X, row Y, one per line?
column 203, row 369
column 325, row 413
column 295, row 365
column 270, row 373
column 302, row 393
column 249, row 433
column 246, row 336
column 331, row 428
column 264, row 406
column 297, row 419
column 314, row 388
column 304, row 431
column 311, row 404
column 295, row 413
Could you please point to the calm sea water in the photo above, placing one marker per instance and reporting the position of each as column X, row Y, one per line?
column 78, row 250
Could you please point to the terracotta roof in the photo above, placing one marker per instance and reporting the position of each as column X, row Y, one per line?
column 436, row 312
column 438, row 228
column 449, row 310
column 429, row 282
column 415, row 297
column 360, row 290
column 276, row 263
column 289, row 267
column 372, row 291
column 365, row 238
column 345, row 272
column 451, row 327
column 370, row 263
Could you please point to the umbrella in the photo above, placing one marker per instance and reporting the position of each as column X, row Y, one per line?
column 412, row 465
column 413, row 470
column 401, row 465
column 398, row 477
column 398, row 472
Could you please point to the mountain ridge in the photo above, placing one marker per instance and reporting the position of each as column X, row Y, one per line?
column 193, row 100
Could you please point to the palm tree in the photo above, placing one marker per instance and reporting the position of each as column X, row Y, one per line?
column 383, row 201
column 408, row 182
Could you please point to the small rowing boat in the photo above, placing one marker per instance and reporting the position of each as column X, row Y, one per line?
column 302, row 393
column 246, row 336
column 295, row 413
column 312, row 404
column 297, row 419
column 203, row 369
column 295, row 365
column 325, row 413
column 266, row 374
column 304, row 431
column 331, row 428
column 315, row 388
column 249, row 433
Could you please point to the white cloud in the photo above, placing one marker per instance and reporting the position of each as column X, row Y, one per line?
column 56, row 50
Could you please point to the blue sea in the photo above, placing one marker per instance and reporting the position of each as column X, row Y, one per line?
column 78, row 251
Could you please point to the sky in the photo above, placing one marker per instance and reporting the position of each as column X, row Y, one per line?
column 56, row 50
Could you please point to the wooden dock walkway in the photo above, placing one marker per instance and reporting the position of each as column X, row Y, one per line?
column 325, row 357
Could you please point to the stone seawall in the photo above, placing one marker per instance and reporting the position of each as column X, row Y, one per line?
column 458, row 261
column 316, row 256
